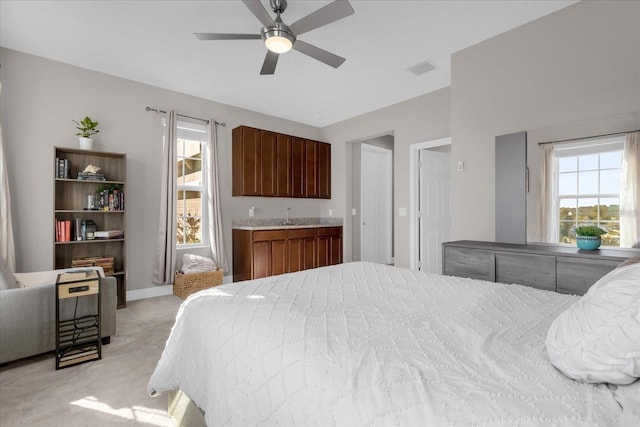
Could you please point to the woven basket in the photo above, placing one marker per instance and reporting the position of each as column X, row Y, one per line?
column 186, row 284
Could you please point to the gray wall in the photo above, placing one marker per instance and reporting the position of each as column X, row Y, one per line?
column 420, row 119
column 573, row 73
column 39, row 99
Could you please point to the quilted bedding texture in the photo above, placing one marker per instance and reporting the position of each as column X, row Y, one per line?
column 366, row 344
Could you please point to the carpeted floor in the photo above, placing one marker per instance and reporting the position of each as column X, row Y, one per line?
column 111, row 391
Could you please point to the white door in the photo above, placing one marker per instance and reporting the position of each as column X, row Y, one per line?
column 434, row 216
column 376, row 204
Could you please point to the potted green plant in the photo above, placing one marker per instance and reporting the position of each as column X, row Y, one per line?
column 87, row 127
column 588, row 237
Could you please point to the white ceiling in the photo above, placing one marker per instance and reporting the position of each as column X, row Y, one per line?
column 152, row 42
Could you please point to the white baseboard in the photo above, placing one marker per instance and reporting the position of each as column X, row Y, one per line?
column 160, row 290
column 155, row 291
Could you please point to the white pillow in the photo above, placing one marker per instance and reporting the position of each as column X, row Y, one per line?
column 197, row 264
column 597, row 339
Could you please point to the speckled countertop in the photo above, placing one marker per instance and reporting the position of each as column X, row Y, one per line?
column 278, row 223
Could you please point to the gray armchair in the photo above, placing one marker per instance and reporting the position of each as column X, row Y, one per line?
column 28, row 314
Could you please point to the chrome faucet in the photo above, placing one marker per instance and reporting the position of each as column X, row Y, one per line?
column 288, row 220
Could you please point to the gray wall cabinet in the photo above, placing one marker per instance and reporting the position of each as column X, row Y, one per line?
column 511, row 188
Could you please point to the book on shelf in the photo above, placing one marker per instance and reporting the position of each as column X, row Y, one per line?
column 109, row 234
column 63, row 230
column 62, row 168
column 89, row 176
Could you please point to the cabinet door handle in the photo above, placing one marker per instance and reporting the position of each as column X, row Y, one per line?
column 493, row 267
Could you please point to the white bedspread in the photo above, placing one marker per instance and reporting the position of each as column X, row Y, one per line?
column 366, row 344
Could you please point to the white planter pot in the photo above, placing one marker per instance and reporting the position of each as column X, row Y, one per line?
column 86, row 143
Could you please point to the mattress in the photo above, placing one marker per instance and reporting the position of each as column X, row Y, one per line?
column 368, row 344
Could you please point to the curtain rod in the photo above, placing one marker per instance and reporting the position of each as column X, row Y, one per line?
column 587, row 137
column 183, row 115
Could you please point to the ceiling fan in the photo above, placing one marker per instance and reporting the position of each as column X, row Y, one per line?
column 280, row 38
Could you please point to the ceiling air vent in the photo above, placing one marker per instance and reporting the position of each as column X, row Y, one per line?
column 421, row 68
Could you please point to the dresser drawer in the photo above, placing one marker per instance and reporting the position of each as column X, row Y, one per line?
column 472, row 263
column 537, row 271
column 576, row 275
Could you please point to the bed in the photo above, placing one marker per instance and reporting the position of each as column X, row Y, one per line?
column 367, row 344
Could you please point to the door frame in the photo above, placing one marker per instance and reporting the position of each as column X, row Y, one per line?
column 414, row 191
column 389, row 184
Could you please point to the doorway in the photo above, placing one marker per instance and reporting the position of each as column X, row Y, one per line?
column 430, row 203
column 374, row 217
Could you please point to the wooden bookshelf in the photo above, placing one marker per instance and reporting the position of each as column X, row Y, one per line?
column 70, row 203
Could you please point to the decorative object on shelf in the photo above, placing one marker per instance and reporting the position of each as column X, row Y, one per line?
column 87, row 127
column 96, row 261
column 91, row 173
column 90, row 228
column 92, row 202
column 588, row 237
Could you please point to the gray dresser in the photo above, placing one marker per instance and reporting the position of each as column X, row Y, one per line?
column 556, row 268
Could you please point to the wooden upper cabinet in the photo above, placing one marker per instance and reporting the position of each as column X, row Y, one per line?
column 246, row 163
column 297, row 167
column 268, row 163
column 271, row 164
column 283, row 166
column 311, row 168
column 324, row 170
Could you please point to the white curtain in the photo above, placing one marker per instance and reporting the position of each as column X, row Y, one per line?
column 548, row 221
column 165, row 259
column 630, row 194
column 216, row 232
column 7, row 249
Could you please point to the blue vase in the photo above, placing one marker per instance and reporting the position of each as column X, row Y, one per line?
column 588, row 243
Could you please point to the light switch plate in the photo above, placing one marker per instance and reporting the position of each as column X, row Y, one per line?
column 330, row 212
column 402, row 211
column 353, row 212
column 460, row 166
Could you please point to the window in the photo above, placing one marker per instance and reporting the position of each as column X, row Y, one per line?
column 191, row 184
column 588, row 179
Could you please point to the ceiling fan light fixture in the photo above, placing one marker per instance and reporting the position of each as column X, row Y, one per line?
column 278, row 40
column 278, row 44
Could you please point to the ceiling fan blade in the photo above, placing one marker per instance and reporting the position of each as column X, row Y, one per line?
column 320, row 54
column 222, row 36
column 330, row 13
column 270, row 61
column 259, row 11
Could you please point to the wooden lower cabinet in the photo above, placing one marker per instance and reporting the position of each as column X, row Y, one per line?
column 269, row 253
column 302, row 249
column 263, row 253
column 329, row 246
